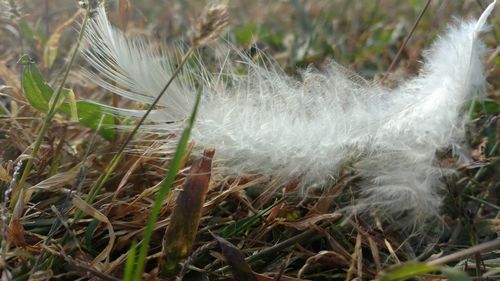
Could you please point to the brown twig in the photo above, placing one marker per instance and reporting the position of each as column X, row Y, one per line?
column 308, row 234
column 484, row 247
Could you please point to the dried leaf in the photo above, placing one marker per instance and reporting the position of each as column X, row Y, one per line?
column 325, row 257
column 91, row 211
column 16, row 233
column 181, row 232
column 4, row 176
column 54, row 183
column 233, row 256
column 52, row 46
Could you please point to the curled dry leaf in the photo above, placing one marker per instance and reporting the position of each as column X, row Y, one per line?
column 4, row 176
column 233, row 256
column 181, row 232
column 51, row 48
column 91, row 211
column 16, row 233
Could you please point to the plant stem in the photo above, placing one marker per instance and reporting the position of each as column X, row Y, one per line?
column 405, row 42
column 162, row 193
column 481, row 248
column 48, row 117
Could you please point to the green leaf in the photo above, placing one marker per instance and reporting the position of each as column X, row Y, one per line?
column 39, row 94
column 33, row 36
column 487, row 106
column 89, row 114
column 497, row 61
column 28, row 32
column 245, row 34
column 37, row 91
column 491, row 107
column 455, row 274
column 274, row 40
column 407, row 270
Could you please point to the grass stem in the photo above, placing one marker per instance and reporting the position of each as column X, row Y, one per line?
column 405, row 42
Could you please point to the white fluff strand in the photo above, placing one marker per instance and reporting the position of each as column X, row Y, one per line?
column 265, row 122
column 135, row 70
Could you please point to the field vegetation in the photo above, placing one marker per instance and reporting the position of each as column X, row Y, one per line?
column 84, row 199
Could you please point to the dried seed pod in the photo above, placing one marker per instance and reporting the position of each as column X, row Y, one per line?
column 213, row 21
column 91, row 5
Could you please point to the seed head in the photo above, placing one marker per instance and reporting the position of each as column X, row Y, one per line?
column 91, row 5
column 213, row 20
column 10, row 9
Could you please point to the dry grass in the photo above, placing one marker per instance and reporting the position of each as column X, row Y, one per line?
column 244, row 221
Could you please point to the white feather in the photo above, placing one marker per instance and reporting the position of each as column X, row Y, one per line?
column 265, row 122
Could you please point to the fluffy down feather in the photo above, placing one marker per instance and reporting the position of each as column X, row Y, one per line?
column 265, row 122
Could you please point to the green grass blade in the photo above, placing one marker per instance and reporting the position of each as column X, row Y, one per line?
column 455, row 274
column 164, row 189
column 129, row 265
column 406, row 271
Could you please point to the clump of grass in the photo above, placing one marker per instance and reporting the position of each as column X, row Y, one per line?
column 52, row 110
